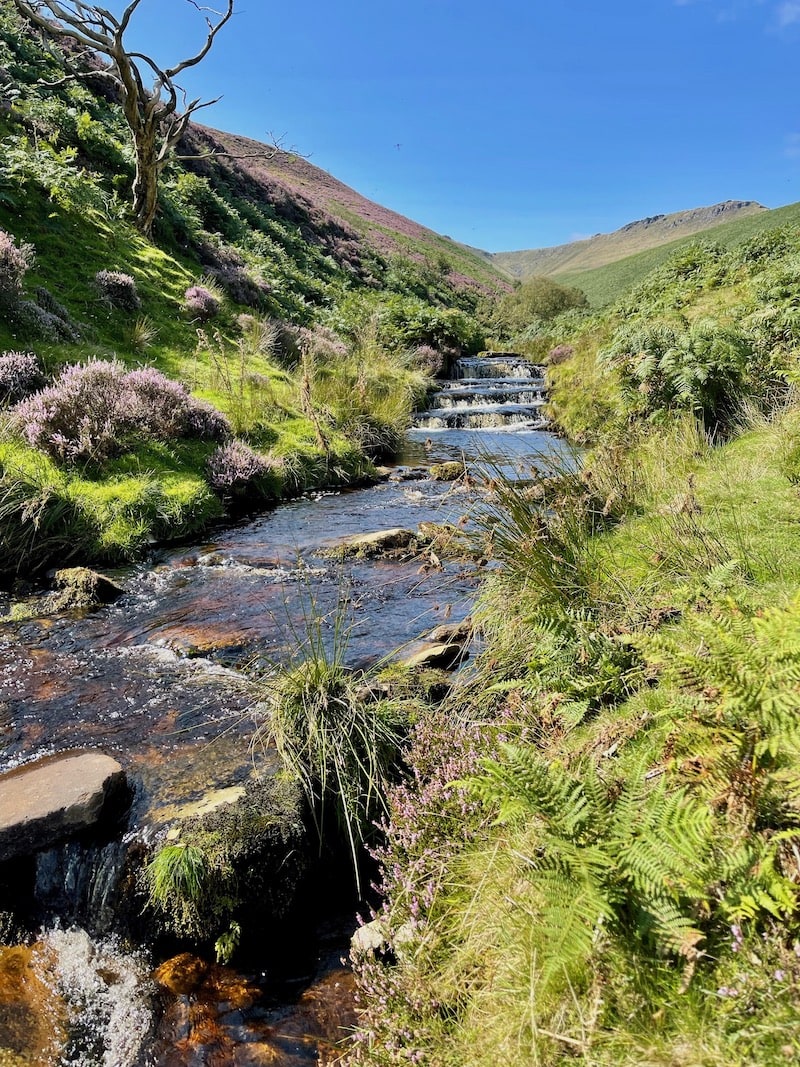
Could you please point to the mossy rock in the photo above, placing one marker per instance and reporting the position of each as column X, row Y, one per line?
column 450, row 471
column 395, row 543
column 80, row 587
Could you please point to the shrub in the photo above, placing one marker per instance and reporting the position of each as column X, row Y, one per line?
column 20, row 375
column 234, row 467
column 241, row 286
column 201, row 303
column 45, row 299
column 78, row 417
column 15, row 261
column 559, row 354
column 37, row 321
column 206, row 422
column 95, row 410
column 118, row 289
column 428, row 360
column 664, row 368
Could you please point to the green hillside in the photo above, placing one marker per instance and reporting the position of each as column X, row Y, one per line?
column 605, row 284
column 306, row 316
column 605, row 248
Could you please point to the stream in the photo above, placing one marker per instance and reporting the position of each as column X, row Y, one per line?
column 163, row 681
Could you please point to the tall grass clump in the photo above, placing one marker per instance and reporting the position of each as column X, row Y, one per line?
column 333, row 735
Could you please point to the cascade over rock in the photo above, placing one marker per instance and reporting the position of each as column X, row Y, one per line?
column 497, row 389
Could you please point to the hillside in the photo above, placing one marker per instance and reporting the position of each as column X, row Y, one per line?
column 603, row 285
column 605, row 248
column 273, row 336
column 287, row 176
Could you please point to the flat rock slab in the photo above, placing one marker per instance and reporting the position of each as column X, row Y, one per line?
column 47, row 801
column 441, row 656
column 390, row 543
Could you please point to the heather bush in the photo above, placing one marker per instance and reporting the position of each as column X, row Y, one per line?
column 118, row 289
column 36, row 321
column 20, row 375
column 429, row 360
column 15, row 261
column 201, row 302
column 45, row 299
column 241, row 286
column 96, row 410
column 559, row 354
column 205, row 421
column 82, row 416
column 234, row 468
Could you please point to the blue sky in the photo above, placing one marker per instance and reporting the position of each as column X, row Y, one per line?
column 513, row 123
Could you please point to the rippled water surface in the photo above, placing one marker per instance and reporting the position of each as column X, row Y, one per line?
column 166, row 678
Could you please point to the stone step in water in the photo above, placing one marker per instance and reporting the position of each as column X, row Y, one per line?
column 488, row 392
column 488, row 385
column 460, row 398
column 485, row 417
column 506, row 365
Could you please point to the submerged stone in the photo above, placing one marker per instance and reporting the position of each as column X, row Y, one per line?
column 50, row 800
column 447, row 472
column 32, row 1015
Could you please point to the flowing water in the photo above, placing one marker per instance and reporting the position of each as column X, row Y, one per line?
column 163, row 681
column 500, row 390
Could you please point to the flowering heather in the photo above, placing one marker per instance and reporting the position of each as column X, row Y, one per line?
column 37, row 321
column 20, row 375
column 241, row 286
column 98, row 409
column 429, row 360
column 118, row 289
column 205, row 421
column 201, row 303
column 431, row 818
column 15, row 261
column 45, row 299
column 234, row 467
column 83, row 415
column 559, row 354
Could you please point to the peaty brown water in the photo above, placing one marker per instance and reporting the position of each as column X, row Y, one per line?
column 165, row 680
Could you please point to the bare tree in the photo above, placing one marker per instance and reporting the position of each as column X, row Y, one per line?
column 156, row 122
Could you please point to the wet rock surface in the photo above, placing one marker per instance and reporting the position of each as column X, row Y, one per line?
column 54, row 798
column 80, row 587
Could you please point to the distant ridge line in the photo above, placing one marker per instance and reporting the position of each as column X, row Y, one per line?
column 605, row 248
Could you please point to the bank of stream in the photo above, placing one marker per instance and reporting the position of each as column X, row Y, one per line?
column 166, row 681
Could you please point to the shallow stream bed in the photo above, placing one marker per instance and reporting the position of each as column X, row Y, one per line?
column 165, row 680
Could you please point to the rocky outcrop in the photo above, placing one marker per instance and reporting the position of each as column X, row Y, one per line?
column 52, row 799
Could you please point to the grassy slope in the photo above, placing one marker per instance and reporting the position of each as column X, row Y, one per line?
column 605, row 248
column 603, row 285
column 274, row 228
column 646, row 655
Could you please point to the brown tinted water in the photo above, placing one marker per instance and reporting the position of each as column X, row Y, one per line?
column 166, row 679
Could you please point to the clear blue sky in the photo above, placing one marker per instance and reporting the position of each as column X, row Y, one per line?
column 513, row 123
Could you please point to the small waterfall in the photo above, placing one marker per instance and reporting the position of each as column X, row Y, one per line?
column 496, row 390
column 83, row 883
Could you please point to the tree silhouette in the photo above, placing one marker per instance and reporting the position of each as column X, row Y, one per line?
column 154, row 117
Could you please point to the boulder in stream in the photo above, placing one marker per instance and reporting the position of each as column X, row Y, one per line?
column 395, row 543
column 54, row 798
column 80, row 587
